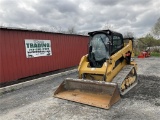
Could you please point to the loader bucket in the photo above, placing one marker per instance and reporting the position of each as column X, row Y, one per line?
column 94, row 93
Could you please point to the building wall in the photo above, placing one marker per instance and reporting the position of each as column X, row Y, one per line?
column 67, row 51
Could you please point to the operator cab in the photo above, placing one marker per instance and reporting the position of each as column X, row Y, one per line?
column 102, row 45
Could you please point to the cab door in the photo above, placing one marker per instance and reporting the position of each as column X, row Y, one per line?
column 117, row 43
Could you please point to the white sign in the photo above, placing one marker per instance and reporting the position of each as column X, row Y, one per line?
column 37, row 48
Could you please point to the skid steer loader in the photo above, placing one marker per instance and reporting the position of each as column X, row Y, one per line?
column 105, row 73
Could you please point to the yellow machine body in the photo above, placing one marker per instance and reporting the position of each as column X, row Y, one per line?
column 108, row 69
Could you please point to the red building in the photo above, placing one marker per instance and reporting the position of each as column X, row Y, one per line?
column 26, row 53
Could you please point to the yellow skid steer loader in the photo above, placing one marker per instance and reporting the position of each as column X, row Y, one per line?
column 105, row 73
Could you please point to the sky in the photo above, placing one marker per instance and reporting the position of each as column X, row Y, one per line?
column 136, row 16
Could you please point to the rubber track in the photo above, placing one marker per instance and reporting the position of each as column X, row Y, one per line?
column 120, row 77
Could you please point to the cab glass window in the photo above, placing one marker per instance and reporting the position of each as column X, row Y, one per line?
column 117, row 43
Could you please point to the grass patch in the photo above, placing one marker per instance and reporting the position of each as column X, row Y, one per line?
column 155, row 54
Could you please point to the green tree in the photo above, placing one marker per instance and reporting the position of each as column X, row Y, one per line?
column 156, row 29
column 147, row 41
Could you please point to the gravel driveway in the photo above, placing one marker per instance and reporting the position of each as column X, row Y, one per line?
column 36, row 102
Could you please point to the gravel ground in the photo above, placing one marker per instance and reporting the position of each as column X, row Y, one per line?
column 148, row 66
column 36, row 102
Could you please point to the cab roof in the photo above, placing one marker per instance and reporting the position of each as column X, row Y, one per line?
column 109, row 32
